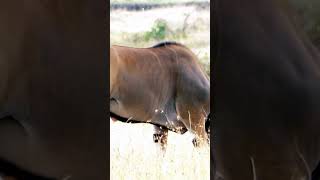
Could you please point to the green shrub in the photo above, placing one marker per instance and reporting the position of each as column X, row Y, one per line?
column 158, row 31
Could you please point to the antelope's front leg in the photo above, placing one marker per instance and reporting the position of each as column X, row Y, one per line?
column 160, row 137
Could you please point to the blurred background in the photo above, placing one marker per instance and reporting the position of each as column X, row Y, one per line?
column 309, row 18
column 144, row 23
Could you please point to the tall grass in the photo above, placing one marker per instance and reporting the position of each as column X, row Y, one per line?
column 134, row 156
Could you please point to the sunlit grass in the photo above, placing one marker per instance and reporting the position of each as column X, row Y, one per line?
column 134, row 156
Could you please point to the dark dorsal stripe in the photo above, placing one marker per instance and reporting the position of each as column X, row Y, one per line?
column 166, row 43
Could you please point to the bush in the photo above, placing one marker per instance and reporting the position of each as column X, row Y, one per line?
column 158, row 31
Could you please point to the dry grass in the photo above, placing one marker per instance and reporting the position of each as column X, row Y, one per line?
column 127, row 26
column 134, row 156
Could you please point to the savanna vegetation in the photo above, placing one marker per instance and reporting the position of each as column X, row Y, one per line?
column 133, row 154
column 189, row 25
